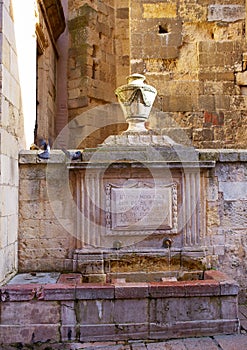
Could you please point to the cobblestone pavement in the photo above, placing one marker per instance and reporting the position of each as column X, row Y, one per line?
column 220, row 342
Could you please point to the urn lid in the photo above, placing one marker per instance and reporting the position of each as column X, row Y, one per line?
column 136, row 79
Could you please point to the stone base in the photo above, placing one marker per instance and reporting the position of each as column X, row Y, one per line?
column 73, row 311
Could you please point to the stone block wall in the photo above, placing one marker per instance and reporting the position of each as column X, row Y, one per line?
column 11, row 137
column 92, row 70
column 46, row 217
column 194, row 54
column 92, row 65
column 226, row 213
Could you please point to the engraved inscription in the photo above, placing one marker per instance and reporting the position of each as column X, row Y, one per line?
column 141, row 208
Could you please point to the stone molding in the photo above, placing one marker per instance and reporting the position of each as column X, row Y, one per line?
column 206, row 157
column 54, row 15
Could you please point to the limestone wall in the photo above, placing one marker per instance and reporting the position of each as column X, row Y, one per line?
column 92, row 69
column 193, row 53
column 92, row 66
column 226, row 213
column 11, row 137
column 48, row 226
column 44, row 214
column 18, row 50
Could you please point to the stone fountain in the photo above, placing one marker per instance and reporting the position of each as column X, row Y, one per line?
column 136, row 192
column 141, row 228
column 141, row 265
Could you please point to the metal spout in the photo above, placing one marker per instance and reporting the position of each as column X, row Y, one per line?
column 167, row 243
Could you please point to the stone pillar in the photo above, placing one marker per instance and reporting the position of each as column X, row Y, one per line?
column 192, row 209
column 89, row 232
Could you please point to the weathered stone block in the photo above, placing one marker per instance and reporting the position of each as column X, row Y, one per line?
column 203, row 134
column 97, row 332
column 125, row 311
column 233, row 190
column 57, row 292
column 68, row 333
column 123, row 13
column 229, row 308
column 207, row 103
column 93, row 267
column 131, row 291
column 222, row 102
column 229, row 343
column 202, row 288
column 33, row 312
column 96, row 312
column 228, row 156
column 216, row 119
column 169, row 311
column 159, row 10
column 241, row 78
column 158, row 289
column 207, row 46
column 242, row 155
column 29, row 334
column 69, row 322
column 8, row 200
column 226, row 13
column 230, row 288
column 70, row 278
column 94, row 291
column 226, row 76
column 213, row 217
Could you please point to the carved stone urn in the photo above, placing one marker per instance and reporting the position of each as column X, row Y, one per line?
column 136, row 99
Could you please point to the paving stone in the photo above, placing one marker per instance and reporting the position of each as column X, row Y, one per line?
column 232, row 342
column 200, row 343
column 138, row 346
column 107, row 347
column 168, row 345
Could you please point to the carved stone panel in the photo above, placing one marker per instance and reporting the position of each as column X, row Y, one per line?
column 140, row 208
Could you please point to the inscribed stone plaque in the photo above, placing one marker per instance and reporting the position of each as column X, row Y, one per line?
column 141, row 208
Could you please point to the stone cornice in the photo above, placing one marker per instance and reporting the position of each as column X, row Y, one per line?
column 206, row 158
column 54, row 15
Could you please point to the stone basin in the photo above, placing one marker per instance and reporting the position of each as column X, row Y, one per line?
column 69, row 310
column 159, row 276
column 148, row 265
